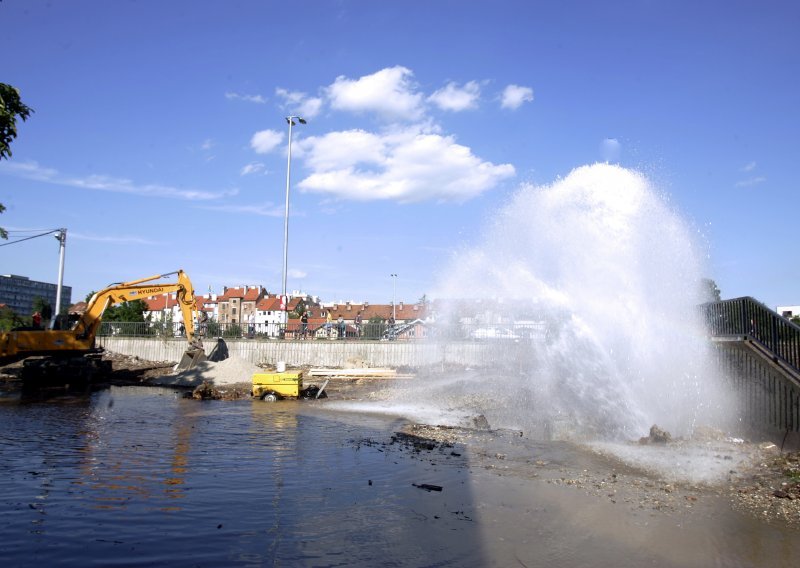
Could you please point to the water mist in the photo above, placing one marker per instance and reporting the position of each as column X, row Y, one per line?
column 611, row 275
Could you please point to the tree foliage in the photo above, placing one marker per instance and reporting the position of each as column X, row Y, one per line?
column 11, row 108
column 8, row 319
column 132, row 311
column 43, row 307
column 298, row 310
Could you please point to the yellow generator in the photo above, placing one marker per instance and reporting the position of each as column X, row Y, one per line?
column 289, row 384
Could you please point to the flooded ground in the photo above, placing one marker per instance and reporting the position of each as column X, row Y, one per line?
column 138, row 476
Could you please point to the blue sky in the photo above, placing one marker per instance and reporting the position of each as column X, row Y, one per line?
column 159, row 139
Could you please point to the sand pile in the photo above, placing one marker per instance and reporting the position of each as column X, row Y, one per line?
column 228, row 372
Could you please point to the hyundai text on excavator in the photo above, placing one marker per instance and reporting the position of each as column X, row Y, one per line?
column 71, row 354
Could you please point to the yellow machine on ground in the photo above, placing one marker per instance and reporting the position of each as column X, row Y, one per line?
column 289, row 384
column 71, row 353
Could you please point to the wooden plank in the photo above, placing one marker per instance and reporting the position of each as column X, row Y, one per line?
column 365, row 373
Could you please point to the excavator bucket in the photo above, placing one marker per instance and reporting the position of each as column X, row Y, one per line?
column 191, row 357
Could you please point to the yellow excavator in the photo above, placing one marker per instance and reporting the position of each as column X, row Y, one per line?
column 71, row 353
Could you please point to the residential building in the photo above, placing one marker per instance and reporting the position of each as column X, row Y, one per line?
column 19, row 292
column 788, row 311
column 402, row 312
column 236, row 305
column 165, row 308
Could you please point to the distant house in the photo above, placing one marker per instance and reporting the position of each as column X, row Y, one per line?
column 269, row 316
column 165, row 308
column 415, row 329
column 788, row 311
column 237, row 305
column 402, row 312
column 77, row 309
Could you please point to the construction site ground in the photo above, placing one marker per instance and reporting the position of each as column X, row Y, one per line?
column 770, row 490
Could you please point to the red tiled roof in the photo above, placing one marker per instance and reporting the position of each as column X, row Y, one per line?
column 246, row 293
column 383, row 311
column 77, row 308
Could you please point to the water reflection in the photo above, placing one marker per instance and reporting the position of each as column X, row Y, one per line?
column 139, row 476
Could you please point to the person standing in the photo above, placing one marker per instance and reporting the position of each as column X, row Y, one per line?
column 36, row 319
column 357, row 323
column 304, row 325
column 328, row 323
column 341, row 327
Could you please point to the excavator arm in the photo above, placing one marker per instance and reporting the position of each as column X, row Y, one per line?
column 90, row 321
column 15, row 345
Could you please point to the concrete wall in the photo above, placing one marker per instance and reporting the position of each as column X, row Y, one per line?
column 335, row 354
column 767, row 399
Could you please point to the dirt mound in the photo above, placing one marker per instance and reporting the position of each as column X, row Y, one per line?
column 228, row 372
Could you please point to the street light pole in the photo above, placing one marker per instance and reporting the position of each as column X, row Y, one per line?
column 290, row 120
column 394, row 293
column 61, row 236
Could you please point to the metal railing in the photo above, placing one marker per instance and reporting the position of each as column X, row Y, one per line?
column 402, row 331
column 747, row 318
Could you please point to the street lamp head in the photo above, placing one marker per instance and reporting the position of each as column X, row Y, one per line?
column 301, row 120
column 290, row 120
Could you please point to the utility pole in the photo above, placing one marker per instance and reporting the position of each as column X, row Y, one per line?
column 61, row 237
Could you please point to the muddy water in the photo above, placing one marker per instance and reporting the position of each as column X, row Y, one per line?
column 140, row 477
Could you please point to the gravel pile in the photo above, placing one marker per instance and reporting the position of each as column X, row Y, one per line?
column 228, row 372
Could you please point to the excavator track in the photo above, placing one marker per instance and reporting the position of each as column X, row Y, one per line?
column 65, row 369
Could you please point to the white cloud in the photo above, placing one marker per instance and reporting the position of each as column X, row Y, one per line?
column 124, row 240
column 341, row 149
column 749, row 167
column 390, row 93
column 265, row 141
column 751, row 181
column 406, row 166
column 207, row 144
column 296, row 273
column 515, row 96
column 247, row 98
column 100, row 182
column 409, row 160
column 300, row 103
column 265, row 210
column 252, row 168
column 455, row 98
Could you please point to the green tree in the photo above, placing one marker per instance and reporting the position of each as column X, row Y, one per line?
column 374, row 328
column 132, row 311
column 11, row 108
column 8, row 319
column 298, row 310
column 43, row 307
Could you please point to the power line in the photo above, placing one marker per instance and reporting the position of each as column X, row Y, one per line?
column 31, row 237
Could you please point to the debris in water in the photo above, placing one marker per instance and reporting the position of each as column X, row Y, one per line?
column 481, row 423
column 657, row 436
column 206, row 391
column 427, row 486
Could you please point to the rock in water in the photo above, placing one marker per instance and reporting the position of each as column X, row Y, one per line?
column 657, row 436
